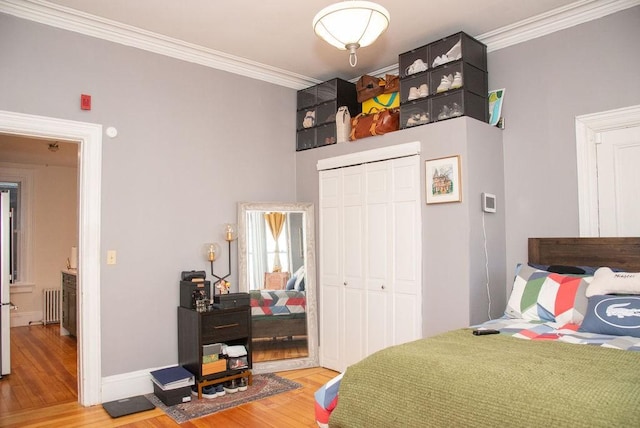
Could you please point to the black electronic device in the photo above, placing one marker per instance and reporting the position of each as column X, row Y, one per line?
column 483, row 331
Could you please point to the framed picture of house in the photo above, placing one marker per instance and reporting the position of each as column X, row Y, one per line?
column 443, row 183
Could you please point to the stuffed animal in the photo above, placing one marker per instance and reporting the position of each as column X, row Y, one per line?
column 223, row 286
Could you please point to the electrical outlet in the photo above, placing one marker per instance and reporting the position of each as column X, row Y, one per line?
column 111, row 257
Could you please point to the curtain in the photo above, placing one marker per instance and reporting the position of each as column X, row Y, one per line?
column 257, row 249
column 275, row 221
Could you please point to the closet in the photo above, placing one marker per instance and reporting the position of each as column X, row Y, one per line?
column 370, row 258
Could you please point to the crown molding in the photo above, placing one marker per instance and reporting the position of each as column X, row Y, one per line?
column 65, row 18
column 549, row 22
column 69, row 19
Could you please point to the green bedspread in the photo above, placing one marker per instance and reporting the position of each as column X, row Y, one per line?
column 460, row 380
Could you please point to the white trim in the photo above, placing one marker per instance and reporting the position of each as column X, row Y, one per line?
column 22, row 318
column 89, row 138
column 554, row 20
column 384, row 153
column 90, row 25
column 73, row 20
column 126, row 385
column 588, row 129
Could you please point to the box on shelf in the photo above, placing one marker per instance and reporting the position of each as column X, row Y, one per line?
column 192, row 291
column 237, row 363
column 214, row 367
column 232, row 300
column 171, row 397
column 459, row 103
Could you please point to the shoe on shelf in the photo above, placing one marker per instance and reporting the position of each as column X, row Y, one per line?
column 444, row 113
column 220, row 390
column 457, row 81
column 423, row 90
column 445, row 83
column 194, row 390
column 231, row 387
column 413, row 120
column 209, row 391
column 424, row 118
column 417, row 66
column 413, row 94
column 242, row 384
column 455, row 52
column 456, row 110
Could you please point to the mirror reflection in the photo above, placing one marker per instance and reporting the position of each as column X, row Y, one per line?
column 276, row 257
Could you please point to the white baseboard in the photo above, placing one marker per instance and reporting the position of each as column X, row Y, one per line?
column 127, row 385
column 19, row 319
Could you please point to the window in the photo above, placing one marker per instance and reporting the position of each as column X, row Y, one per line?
column 19, row 184
column 283, row 248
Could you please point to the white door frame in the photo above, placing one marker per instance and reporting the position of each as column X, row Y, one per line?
column 88, row 136
column 588, row 129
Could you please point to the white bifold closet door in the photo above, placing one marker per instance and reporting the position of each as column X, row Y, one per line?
column 370, row 259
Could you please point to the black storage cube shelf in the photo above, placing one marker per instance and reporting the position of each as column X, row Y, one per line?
column 464, row 55
column 323, row 100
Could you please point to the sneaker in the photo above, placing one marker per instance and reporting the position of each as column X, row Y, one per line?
column 456, row 110
column 413, row 120
column 424, row 118
column 209, row 391
column 242, row 384
column 194, row 390
column 438, row 61
column 231, row 387
column 220, row 390
column 457, row 81
column 444, row 113
column 455, row 52
column 417, row 66
column 423, row 90
column 445, row 83
column 413, row 94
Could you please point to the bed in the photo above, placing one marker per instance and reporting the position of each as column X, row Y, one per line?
column 278, row 313
column 560, row 358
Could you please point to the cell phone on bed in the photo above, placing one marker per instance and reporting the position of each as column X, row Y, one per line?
column 483, row 331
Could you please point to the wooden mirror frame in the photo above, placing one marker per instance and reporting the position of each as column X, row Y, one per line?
column 312, row 360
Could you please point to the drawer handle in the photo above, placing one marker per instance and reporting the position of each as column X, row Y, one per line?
column 226, row 326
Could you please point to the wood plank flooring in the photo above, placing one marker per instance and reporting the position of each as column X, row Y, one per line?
column 41, row 392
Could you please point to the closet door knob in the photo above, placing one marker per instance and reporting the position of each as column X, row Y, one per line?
column 345, row 283
column 382, row 286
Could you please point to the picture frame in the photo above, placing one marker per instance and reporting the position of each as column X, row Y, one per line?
column 443, row 182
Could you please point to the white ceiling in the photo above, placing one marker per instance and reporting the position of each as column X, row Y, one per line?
column 278, row 33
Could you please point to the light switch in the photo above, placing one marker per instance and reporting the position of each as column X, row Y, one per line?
column 111, row 257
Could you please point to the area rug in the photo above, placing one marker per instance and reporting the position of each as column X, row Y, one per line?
column 263, row 385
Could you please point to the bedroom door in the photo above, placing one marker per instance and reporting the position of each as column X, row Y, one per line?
column 618, row 157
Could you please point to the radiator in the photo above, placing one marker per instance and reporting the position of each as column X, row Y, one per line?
column 52, row 305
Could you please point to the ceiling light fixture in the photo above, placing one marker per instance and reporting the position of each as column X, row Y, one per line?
column 349, row 25
column 53, row 147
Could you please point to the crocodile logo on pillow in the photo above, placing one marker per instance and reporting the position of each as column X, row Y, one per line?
column 620, row 312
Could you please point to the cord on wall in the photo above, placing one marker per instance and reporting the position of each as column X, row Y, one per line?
column 486, row 265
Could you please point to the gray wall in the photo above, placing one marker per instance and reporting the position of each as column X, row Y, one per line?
column 454, row 280
column 589, row 68
column 192, row 142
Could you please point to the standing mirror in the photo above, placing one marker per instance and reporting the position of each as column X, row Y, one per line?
column 276, row 266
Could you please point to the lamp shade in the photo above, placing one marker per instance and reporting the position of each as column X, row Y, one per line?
column 351, row 23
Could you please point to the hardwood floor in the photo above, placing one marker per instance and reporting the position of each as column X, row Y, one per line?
column 41, row 392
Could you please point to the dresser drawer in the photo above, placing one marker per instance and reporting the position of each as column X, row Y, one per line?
column 222, row 327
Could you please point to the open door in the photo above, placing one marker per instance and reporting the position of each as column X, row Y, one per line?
column 5, row 305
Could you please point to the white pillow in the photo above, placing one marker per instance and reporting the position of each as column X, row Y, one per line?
column 606, row 281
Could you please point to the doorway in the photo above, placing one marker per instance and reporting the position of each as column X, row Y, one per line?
column 607, row 144
column 88, row 136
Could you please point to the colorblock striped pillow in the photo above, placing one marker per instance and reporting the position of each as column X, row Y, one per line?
column 538, row 295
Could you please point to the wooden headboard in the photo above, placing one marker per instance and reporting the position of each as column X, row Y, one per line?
column 622, row 253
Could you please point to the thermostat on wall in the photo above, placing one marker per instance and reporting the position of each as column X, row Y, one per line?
column 488, row 203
